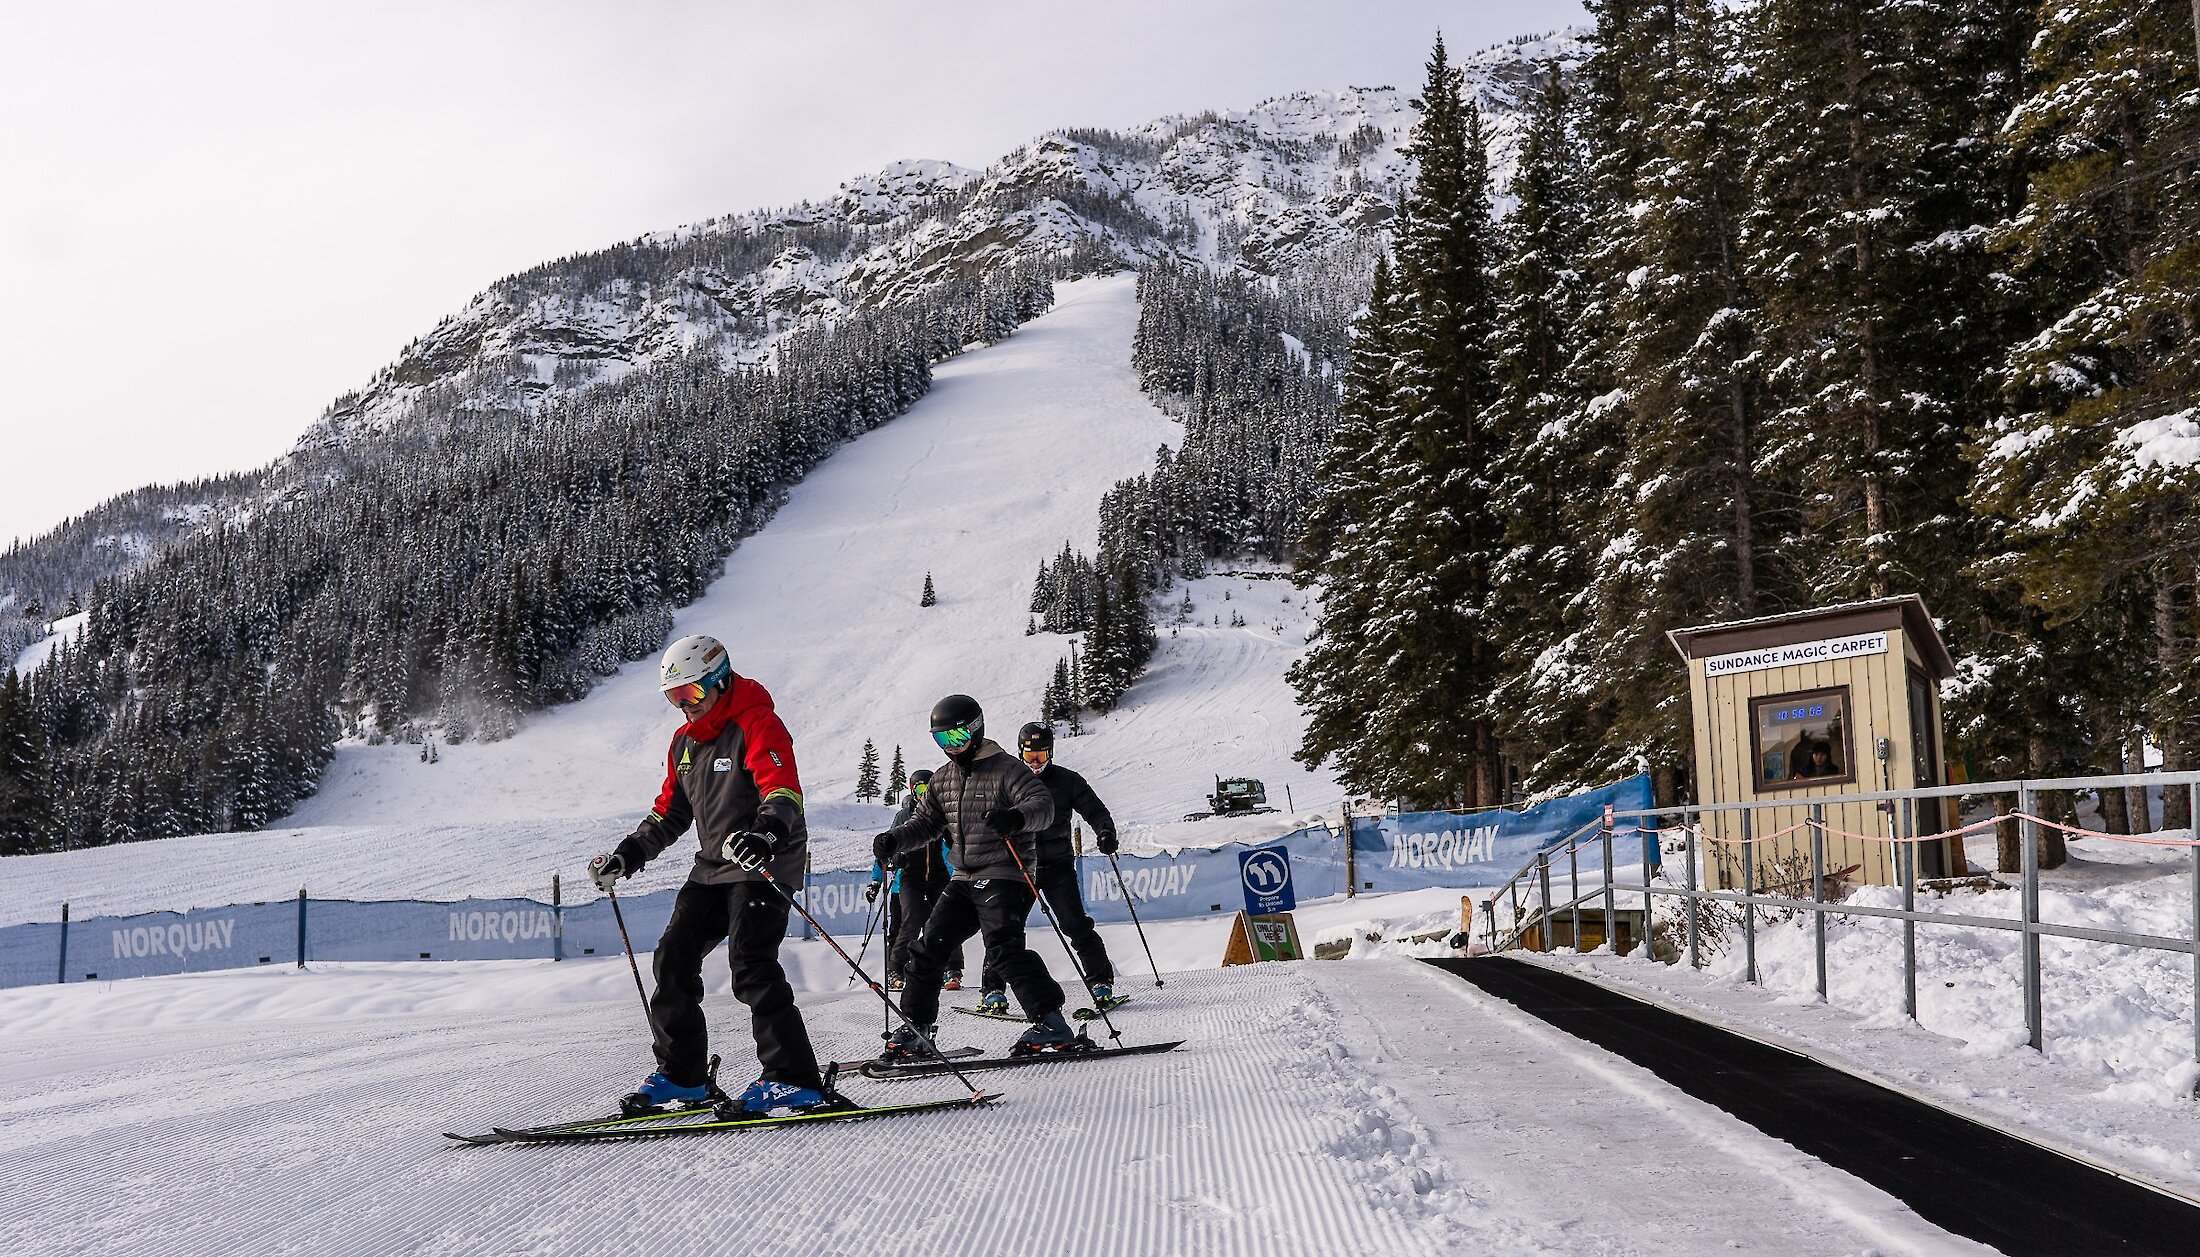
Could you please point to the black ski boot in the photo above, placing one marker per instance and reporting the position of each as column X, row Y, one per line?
column 1049, row 1033
column 906, row 1045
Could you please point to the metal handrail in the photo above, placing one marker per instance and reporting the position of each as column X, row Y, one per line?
column 2027, row 923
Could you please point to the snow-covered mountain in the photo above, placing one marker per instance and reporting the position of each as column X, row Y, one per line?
column 1270, row 189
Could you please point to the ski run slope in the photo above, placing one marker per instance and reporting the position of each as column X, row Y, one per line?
column 977, row 484
column 1366, row 1107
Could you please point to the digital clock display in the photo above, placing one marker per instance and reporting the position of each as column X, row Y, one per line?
column 1812, row 712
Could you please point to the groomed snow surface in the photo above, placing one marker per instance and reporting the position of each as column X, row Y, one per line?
column 1373, row 1106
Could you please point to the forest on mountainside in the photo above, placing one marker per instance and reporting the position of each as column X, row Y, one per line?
column 492, row 567
column 1796, row 305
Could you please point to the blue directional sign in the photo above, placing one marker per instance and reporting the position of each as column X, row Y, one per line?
column 1266, row 874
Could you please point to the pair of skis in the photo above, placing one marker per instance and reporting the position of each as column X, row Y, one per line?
column 706, row 1120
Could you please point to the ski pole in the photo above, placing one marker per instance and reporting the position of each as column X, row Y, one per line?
column 1132, row 904
column 870, row 923
column 876, row 988
column 628, row 943
column 1048, row 910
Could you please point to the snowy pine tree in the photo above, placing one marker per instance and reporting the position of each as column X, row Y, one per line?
column 867, row 784
column 1339, row 679
column 2089, row 477
column 1675, row 335
column 1544, row 456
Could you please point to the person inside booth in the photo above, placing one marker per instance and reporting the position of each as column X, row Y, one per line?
column 1815, row 759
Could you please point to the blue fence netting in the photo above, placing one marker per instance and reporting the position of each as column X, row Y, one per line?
column 1413, row 850
column 1404, row 851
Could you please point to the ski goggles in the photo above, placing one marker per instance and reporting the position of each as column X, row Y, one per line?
column 920, row 788
column 690, row 695
column 953, row 740
column 1038, row 759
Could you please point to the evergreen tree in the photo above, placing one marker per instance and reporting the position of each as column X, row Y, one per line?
column 1862, row 243
column 23, row 809
column 1675, row 336
column 1544, row 454
column 2088, row 478
column 928, row 598
column 867, row 786
column 1339, row 679
column 1432, row 640
column 897, row 777
column 1057, row 706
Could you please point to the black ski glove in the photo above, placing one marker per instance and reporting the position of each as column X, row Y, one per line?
column 882, row 849
column 870, row 893
column 751, row 850
column 1108, row 844
column 1004, row 821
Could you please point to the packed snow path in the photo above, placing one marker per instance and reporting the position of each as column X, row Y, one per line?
column 1375, row 1107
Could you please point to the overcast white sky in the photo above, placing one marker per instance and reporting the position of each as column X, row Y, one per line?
column 219, row 216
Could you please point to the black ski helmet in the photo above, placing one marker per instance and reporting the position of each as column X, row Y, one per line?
column 919, row 777
column 1036, row 736
column 957, row 712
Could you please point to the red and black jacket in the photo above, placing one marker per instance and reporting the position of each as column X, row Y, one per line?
column 730, row 771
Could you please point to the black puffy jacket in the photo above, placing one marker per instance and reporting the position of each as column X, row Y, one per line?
column 1072, row 793
column 961, row 792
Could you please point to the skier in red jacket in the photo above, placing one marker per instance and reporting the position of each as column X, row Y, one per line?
column 730, row 773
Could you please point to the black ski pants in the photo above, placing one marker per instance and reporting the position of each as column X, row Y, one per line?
column 1058, row 882
column 913, row 908
column 751, row 918
column 994, row 908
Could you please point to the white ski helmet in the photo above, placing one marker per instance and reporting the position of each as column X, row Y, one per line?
column 695, row 660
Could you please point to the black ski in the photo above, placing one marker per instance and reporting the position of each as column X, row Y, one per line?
column 951, row 1054
column 1111, row 1003
column 716, row 1125
column 927, row 1068
column 501, row 1135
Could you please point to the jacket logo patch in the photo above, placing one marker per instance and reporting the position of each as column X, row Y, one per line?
column 687, row 758
column 776, row 761
column 721, row 766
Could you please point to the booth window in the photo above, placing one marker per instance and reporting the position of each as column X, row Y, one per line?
column 1801, row 739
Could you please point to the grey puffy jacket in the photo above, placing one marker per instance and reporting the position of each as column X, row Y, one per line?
column 955, row 804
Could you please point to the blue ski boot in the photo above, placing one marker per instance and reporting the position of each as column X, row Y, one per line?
column 993, row 1003
column 764, row 1095
column 661, row 1093
column 1048, row 1033
column 1103, row 995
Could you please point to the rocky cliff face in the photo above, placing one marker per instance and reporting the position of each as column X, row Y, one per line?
column 1266, row 189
